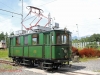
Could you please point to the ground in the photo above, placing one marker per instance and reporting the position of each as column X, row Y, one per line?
column 91, row 67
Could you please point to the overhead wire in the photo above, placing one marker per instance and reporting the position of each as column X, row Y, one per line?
column 10, row 12
column 10, row 8
column 6, row 5
column 21, row 14
column 8, row 15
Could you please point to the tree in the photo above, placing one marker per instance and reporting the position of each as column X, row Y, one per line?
column 2, row 36
column 92, row 45
column 94, row 37
column 12, row 33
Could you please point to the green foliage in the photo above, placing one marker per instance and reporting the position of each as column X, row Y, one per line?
column 95, row 37
column 84, row 59
column 92, row 45
column 12, row 33
column 2, row 36
column 75, row 41
column 92, row 38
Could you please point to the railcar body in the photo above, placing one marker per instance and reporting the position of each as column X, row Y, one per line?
column 49, row 49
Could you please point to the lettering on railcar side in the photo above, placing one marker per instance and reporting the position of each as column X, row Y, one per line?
column 34, row 51
column 17, row 51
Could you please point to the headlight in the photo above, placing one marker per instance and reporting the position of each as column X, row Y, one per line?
column 65, row 51
column 66, row 56
column 62, row 48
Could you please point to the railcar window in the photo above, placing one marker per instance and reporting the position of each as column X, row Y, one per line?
column 26, row 40
column 52, row 39
column 70, row 40
column 58, row 39
column 64, row 39
column 48, row 39
column 35, row 39
column 61, row 39
column 17, row 40
column 45, row 39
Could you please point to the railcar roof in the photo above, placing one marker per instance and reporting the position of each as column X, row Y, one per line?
column 39, row 32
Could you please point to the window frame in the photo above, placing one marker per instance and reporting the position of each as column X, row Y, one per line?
column 18, row 41
column 47, row 39
column 35, row 37
column 52, row 38
column 26, row 40
column 58, row 39
column 11, row 41
column 61, row 38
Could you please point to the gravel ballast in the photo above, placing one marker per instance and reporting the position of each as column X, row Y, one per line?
column 91, row 65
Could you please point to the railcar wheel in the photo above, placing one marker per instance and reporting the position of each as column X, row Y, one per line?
column 55, row 68
column 16, row 62
column 41, row 65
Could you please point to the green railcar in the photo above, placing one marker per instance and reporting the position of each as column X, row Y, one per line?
column 49, row 49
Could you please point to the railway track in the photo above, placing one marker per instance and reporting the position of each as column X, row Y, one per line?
column 6, row 62
column 65, row 71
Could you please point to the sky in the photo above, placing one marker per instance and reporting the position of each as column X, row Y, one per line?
column 81, row 17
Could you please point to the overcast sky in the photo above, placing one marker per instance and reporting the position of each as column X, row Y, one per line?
column 68, row 13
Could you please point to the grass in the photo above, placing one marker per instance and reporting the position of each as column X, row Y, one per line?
column 4, row 54
column 6, row 67
column 98, row 71
column 10, row 68
column 84, row 59
column 98, row 48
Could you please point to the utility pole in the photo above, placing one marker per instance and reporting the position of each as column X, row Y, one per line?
column 22, row 17
column 78, row 36
column 5, row 41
